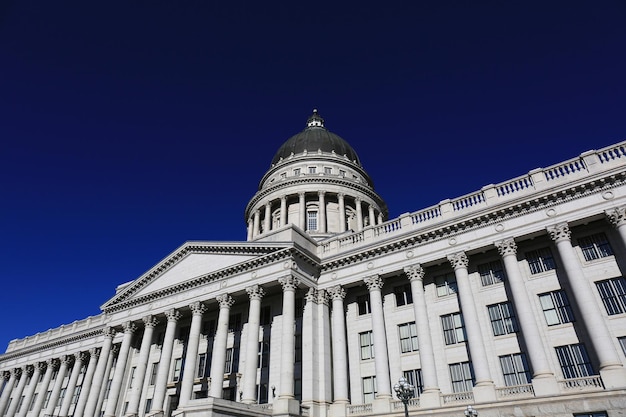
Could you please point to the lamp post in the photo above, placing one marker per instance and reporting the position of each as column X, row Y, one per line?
column 471, row 411
column 405, row 392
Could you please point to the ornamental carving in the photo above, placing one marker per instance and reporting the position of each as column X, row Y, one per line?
column 322, row 297
column 52, row 363
column 458, row 260
column 311, row 296
column 79, row 357
column 337, row 292
column 506, row 247
column 559, row 232
column 29, row 370
column 173, row 315
column 197, row 308
column 616, row 216
column 129, row 327
column 150, row 321
column 255, row 292
column 225, row 301
column 93, row 353
column 16, row 372
column 67, row 360
column 108, row 332
column 41, row 366
column 374, row 283
column 289, row 283
column 414, row 272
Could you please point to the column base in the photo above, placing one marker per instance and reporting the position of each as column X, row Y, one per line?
column 613, row 377
column 286, row 407
column 545, row 386
column 430, row 398
column 382, row 405
column 484, row 392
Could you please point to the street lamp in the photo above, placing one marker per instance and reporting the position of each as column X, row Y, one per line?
column 471, row 411
column 405, row 392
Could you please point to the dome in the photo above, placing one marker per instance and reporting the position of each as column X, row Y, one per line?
column 315, row 138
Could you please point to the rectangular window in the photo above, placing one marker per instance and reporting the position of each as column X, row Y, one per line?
column 76, row 394
column 556, row 308
column 201, row 365
column 446, row 284
column 19, row 404
column 369, row 389
column 453, row 331
column 296, row 172
column 132, row 377
column 234, row 322
column 208, row 328
column 595, row 246
column 178, row 363
column 228, row 366
column 622, row 343
column 403, row 295
column 363, row 302
column 574, row 361
column 414, row 377
column 461, row 377
column 515, row 369
column 613, row 294
column 62, row 395
column 153, row 373
column 148, row 406
column 491, row 273
column 366, row 342
column 328, row 170
column 540, row 260
column 266, row 315
column 264, row 354
column 107, row 390
column 33, row 402
column 502, row 318
column 311, row 218
column 408, row 337
column 342, row 173
column 312, row 170
column 47, row 399
column 125, row 408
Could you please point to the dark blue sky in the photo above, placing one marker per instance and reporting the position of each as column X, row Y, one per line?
column 129, row 127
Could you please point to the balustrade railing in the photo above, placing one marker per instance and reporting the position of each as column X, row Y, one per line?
column 610, row 154
column 458, row 397
column 514, row 186
column 525, row 390
column 411, row 404
column 585, row 383
column 564, row 169
column 359, row 409
column 468, row 201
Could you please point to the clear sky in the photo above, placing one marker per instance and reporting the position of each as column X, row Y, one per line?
column 129, row 127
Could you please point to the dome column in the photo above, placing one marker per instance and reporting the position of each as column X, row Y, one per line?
column 283, row 210
column 267, row 221
column 321, row 227
column 359, row 214
column 372, row 217
column 302, row 207
column 256, row 223
column 342, row 212
column 250, row 228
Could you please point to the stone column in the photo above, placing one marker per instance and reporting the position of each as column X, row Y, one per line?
column 544, row 380
column 267, row 221
column 24, row 372
column 321, row 227
column 611, row 369
column 66, row 360
column 34, row 379
column 302, row 210
column 150, row 323
column 381, row 358
column 115, row 349
column 310, row 369
column 380, row 218
column 120, row 367
column 51, row 365
column 87, row 382
column 289, row 284
column 339, row 346
column 257, row 223
column 283, row 210
column 430, row 397
column 617, row 217
column 342, row 213
column 8, row 388
column 322, row 340
column 71, row 384
column 359, row 225
column 99, row 376
column 372, row 217
column 484, row 389
column 250, row 228
column 255, row 293
column 191, row 354
column 218, row 358
column 160, row 386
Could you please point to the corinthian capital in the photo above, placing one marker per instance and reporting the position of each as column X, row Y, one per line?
column 197, row 308
column 458, row 260
column 322, row 297
column 255, row 292
column 311, row 296
column 506, row 247
column 374, row 282
column 150, row 321
column 414, row 272
column 616, row 216
column 289, row 282
column 559, row 232
column 173, row 315
column 337, row 292
column 41, row 366
column 225, row 301
column 108, row 332
column 129, row 327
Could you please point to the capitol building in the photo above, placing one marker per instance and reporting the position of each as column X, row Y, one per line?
column 510, row 300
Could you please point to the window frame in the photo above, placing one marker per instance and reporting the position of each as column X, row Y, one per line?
column 453, row 328
column 540, row 260
column 491, row 273
column 515, row 369
column 403, row 295
column 595, row 246
column 465, row 382
column 502, row 317
column 574, row 361
column 366, row 344
column 612, row 292
column 559, row 310
column 409, row 341
column 445, row 284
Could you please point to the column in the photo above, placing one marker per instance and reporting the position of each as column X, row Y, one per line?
column 339, row 345
column 381, row 357
column 359, row 225
column 289, row 284
column 267, row 221
column 160, row 386
column 71, row 384
column 617, row 217
column 322, row 338
column 342, row 213
column 257, row 223
column 283, row 210
column 150, row 323
column 322, row 210
column 310, row 369
column 66, row 360
column 302, row 210
column 218, row 358
column 24, row 372
column 99, row 376
column 8, row 387
column 484, row 388
column 255, row 293
column 250, row 228
column 380, row 218
column 118, row 377
column 34, row 379
column 87, row 383
column 51, row 365
column 372, row 217
column 115, row 350
column 611, row 368
column 431, row 395
column 544, row 380
column 191, row 354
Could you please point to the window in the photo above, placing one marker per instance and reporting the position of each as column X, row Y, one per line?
column 403, row 295
column 622, row 342
column 408, row 337
column 502, row 318
column 363, row 302
column 153, row 373
column 148, row 406
column 461, row 377
column 453, row 331
column 283, row 175
column 414, row 377
column 177, row 369
column 556, row 308
column 574, row 361
column 613, row 294
column 125, row 408
column 19, row 404
column 266, row 315
column 33, row 402
column 296, row 172
column 369, row 389
column 312, row 170
column 311, row 220
column 132, row 377
column 540, row 260
column 446, row 284
column 367, row 345
column 234, row 322
column 595, row 246
column 328, row 170
column 228, row 366
column 76, row 394
column 107, row 390
column 208, row 328
column 594, row 414
column 297, row 348
column 342, row 173
column 62, row 395
column 201, row 365
column 264, row 354
column 515, row 369
column 47, row 399
column 491, row 273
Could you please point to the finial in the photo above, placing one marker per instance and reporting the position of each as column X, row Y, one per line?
column 315, row 120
